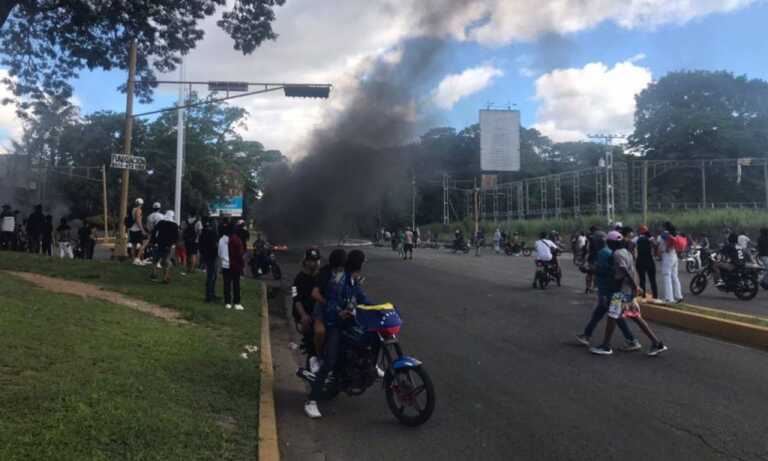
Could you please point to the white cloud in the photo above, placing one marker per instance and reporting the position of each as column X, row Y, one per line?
column 594, row 98
column 10, row 125
column 456, row 86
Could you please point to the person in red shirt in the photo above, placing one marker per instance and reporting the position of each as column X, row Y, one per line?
column 235, row 270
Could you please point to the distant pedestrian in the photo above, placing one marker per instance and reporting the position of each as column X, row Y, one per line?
column 672, row 292
column 497, row 241
column 646, row 266
column 166, row 234
column 192, row 230
column 136, row 233
column 208, row 253
column 34, row 227
column 7, row 228
column 408, row 243
column 64, row 239
column 230, row 250
column 87, row 244
column 48, row 235
column 180, row 254
column 479, row 241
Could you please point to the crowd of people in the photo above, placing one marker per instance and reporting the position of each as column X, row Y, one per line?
column 36, row 234
column 323, row 297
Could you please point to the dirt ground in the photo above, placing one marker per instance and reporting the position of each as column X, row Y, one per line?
column 92, row 291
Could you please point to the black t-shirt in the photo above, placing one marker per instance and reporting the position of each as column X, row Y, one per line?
column 762, row 246
column 324, row 276
column 733, row 255
column 166, row 233
column 644, row 249
column 304, row 284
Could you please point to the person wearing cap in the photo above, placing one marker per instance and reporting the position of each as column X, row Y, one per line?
column 136, row 233
column 153, row 220
column 303, row 302
column 604, row 281
column 165, row 234
column 646, row 266
column 623, row 304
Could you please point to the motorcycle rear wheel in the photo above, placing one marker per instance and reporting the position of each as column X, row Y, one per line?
column 690, row 267
column 526, row 251
column 402, row 393
column 698, row 284
column 747, row 289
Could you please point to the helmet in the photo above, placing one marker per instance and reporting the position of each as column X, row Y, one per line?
column 156, row 206
column 614, row 236
column 312, row 254
column 139, row 201
column 170, row 216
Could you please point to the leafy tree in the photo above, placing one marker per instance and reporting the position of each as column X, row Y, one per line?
column 45, row 43
column 701, row 114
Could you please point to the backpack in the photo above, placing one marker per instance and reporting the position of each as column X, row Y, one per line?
column 679, row 243
column 129, row 219
column 189, row 232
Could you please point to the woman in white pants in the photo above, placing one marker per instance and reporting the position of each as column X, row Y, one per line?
column 670, row 283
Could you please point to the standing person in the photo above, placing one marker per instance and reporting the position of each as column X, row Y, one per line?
column 192, row 232
column 646, row 267
column 7, row 227
column 64, row 239
column 408, row 240
column 497, row 241
column 48, row 235
column 672, row 292
column 87, row 244
column 231, row 254
column 594, row 244
column 209, row 253
column 153, row 220
column 166, row 233
column 606, row 287
column 136, row 233
column 762, row 254
column 35, row 225
column 623, row 301
column 479, row 240
column 325, row 275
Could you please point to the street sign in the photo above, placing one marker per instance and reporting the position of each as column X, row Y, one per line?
column 228, row 86
column 129, row 162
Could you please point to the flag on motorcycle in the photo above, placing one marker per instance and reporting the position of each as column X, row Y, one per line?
column 378, row 318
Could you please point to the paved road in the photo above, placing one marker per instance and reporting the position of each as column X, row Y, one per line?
column 512, row 383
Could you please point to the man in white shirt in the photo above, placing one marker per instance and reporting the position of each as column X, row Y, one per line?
column 224, row 255
column 7, row 227
column 408, row 246
column 544, row 249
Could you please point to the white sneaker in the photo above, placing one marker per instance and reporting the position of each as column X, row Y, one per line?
column 315, row 364
column 379, row 371
column 159, row 266
column 227, row 306
column 136, row 262
column 311, row 410
column 239, row 307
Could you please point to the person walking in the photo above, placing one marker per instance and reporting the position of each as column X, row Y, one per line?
column 497, row 241
column 408, row 244
column 7, row 228
column 646, row 267
column 672, row 292
column 87, row 243
column 64, row 239
column 136, row 232
column 192, row 232
column 208, row 253
column 166, row 233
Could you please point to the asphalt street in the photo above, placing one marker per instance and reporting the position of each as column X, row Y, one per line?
column 512, row 383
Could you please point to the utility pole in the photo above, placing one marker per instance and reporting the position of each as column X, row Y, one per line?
column 703, row 185
column 477, row 206
column 609, row 186
column 179, row 147
column 104, row 200
column 120, row 244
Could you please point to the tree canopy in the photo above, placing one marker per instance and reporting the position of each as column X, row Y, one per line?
column 45, row 43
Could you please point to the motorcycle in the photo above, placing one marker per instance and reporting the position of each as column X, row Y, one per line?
column 694, row 259
column 515, row 249
column 743, row 282
column 265, row 262
column 548, row 272
column 459, row 244
column 371, row 337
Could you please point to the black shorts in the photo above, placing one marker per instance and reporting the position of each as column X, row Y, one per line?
column 136, row 237
column 163, row 255
column 192, row 248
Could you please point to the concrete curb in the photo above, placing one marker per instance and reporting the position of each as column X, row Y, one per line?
column 268, row 446
column 731, row 330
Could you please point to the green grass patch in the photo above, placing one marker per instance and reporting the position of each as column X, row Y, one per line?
column 85, row 379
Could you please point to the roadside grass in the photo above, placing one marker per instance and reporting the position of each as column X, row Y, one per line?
column 85, row 379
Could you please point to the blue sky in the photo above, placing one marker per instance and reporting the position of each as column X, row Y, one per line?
column 537, row 55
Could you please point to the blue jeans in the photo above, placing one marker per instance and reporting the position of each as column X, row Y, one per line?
column 210, row 279
column 603, row 302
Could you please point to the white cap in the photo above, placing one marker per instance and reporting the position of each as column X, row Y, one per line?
column 170, row 216
column 139, row 201
column 156, row 206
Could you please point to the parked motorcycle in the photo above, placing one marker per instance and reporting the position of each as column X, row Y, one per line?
column 743, row 282
column 371, row 337
column 517, row 249
column 695, row 259
column 459, row 245
column 265, row 262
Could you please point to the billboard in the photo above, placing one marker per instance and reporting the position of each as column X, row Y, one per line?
column 230, row 207
column 500, row 140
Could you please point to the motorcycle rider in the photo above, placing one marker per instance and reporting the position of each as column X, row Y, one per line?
column 762, row 254
column 303, row 286
column 336, row 261
column 458, row 239
column 732, row 258
column 545, row 249
column 344, row 293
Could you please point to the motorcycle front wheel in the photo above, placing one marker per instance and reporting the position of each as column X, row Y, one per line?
column 698, row 284
column 526, row 251
column 747, row 289
column 410, row 395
